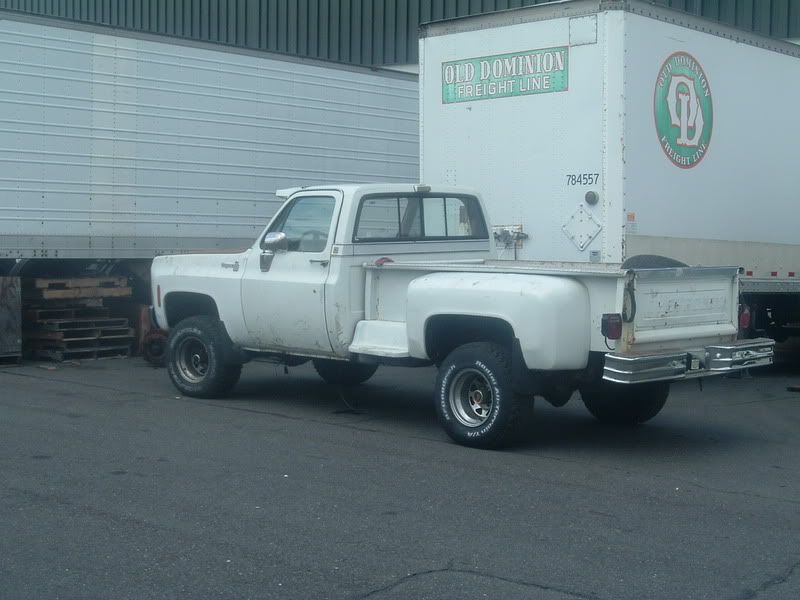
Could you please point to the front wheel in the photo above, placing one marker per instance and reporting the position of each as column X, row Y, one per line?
column 339, row 372
column 625, row 404
column 475, row 399
column 196, row 351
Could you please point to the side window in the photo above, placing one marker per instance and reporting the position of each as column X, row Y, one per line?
column 306, row 223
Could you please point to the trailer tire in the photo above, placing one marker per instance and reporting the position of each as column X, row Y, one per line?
column 475, row 399
column 625, row 404
column 339, row 372
column 198, row 358
column 652, row 261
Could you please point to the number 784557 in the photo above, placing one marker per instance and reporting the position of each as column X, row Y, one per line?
column 583, row 178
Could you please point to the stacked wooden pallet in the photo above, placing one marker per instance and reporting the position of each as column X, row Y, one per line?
column 66, row 319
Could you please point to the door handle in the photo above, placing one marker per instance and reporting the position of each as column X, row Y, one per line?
column 324, row 262
column 233, row 265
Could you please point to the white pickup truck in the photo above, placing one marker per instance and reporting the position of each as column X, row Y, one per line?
column 351, row 277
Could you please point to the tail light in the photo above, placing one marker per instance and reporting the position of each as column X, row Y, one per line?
column 158, row 295
column 611, row 326
column 744, row 317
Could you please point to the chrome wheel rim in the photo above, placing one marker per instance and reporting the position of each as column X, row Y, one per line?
column 471, row 398
column 192, row 359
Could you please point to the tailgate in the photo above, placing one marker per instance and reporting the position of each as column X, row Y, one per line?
column 680, row 307
column 682, row 322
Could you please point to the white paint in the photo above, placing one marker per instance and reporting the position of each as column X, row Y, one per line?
column 351, row 305
column 380, row 338
column 519, row 150
column 549, row 315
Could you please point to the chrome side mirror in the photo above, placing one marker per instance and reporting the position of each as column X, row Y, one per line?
column 276, row 241
column 273, row 242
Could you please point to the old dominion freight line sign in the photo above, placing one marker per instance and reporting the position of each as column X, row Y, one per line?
column 683, row 110
column 506, row 75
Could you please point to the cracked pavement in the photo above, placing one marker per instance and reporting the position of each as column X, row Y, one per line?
column 113, row 486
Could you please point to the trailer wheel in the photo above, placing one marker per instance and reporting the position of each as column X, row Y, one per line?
column 651, row 261
column 196, row 358
column 475, row 400
column 339, row 372
column 625, row 404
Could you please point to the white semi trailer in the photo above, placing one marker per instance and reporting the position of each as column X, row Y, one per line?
column 115, row 147
column 605, row 131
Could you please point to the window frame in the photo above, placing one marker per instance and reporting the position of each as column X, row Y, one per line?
column 466, row 198
column 286, row 210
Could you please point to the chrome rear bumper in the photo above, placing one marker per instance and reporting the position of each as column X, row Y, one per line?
column 712, row 360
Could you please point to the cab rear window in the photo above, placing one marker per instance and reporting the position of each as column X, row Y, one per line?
column 419, row 218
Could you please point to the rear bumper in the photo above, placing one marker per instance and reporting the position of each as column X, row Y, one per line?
column 712, row 360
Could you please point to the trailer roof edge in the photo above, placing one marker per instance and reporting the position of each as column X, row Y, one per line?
column 577, row 8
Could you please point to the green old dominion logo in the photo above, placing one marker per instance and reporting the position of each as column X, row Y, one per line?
column 683, row 110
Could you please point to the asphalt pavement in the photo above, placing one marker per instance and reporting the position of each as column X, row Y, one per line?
column 112, row 486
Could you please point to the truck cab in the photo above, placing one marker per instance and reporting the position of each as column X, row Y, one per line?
column 300, row 287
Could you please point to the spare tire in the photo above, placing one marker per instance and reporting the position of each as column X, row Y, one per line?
column 651, row 261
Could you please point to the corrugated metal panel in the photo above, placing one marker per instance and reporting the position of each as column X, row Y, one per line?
column 368, row 32
column 134, row 148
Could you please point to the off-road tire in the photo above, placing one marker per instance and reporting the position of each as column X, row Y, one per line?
column 199, row 360
column 485, row 369
column 625, row 404
column 339, row 372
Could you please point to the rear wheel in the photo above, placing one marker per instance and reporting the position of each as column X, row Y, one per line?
column 625, row 404
column 196, row 351
column 475, row 399
column 339, row 372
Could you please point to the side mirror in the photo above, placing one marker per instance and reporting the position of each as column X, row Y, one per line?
column 275, row 241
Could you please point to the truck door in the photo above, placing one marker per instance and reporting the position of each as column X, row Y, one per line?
column 283, row 292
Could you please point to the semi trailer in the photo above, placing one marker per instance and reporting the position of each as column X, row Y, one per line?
column 606, row 131
column 118, row 146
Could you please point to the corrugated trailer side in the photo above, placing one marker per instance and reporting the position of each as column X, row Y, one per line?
column 127, row 146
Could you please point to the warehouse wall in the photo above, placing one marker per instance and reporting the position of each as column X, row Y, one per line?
column 368, row 32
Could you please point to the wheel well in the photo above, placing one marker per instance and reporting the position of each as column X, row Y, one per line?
column 181, row 305
column 444, row 333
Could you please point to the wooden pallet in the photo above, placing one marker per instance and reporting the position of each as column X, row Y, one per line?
column 66, row 319
column 96, row 353
column 77, row 282
column 76, row 287
column 64, row 313
column 76, row 293
column 65, row 324
column 81, row 337
column 67, row 335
